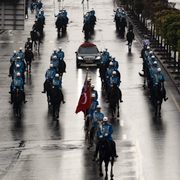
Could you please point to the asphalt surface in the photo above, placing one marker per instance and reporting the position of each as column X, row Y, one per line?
column 39, row 147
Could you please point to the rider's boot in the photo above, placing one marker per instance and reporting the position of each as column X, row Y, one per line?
column 165, row 98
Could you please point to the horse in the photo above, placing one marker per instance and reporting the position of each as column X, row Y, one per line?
column 28, row 57
column 36, row 39
column 61, row 25
column 157, row 98
column 122, row 24
column 106, row 154
column 114, row 98
column 92, row 23
column 56, row 98
column 11, row 69
column 48, row 91
column 86, row 30
column 102, row 72
column 62, row 67
column 17, row 100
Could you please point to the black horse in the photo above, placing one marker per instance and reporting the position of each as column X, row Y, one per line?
column 61, row 67
column 28, row 57
column 87, row 30
column 157, row 97
column 48, row 91
column 36, row 39
column 56, row 98
column 102, row 72
column 122, row 24
column 17, row 100
column 106, row 154
column 114, row 98
column 61, row 25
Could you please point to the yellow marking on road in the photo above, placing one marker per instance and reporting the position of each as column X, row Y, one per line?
column 175, row 102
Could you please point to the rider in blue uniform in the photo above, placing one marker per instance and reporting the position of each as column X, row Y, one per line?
column 160, row 77
column 57, row 82
column 115, row 63
column 105, row 131
column 39, row 5
column 17, row 70
column 17, row 82
column 50, row 73
column 97, row 118
column 110, row 70
column 94, row 104
column 107, row 53
column 21, row 54
column 14, row 57
column 94, row 91
column 54, row 54
column 104, row 57
column 55, row 63
column 60, row 54
column 20, row 63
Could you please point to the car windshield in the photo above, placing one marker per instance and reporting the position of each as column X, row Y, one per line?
column 88, row 50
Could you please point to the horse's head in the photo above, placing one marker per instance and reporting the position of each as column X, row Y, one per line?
column 103, row 146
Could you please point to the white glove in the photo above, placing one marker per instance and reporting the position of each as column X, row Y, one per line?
column 101, row 136
column 106, row 134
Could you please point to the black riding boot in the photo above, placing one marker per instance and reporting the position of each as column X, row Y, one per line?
column 96, row 151
column 24, row 97
column 165, row 98
column 114, row 148
column 120, row 95
column 45, row 85
column 62, row 97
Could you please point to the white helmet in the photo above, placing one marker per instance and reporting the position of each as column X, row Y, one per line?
column 60, row 48
column 148, row 47
column 151, row 52
column 113, row 57
column 18, row 57
column 114, row 72
column 18, row 74
column 20, row 48
column 105, row 119
column 51, row 65
column 98, row 106
column 17, row 65
column 55, row 49
column 111, row 63
column 159, row 69
column 153, row 56
column 57, row 75
column 92, row 85
column 93, row 95
column 88, row 79
column 54, row 57
column 14, row 51
column 106, row 48
column 155, row 62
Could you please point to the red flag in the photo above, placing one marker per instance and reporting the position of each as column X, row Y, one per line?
column 85, row 98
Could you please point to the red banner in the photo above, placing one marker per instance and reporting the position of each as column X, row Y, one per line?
column 85, row 98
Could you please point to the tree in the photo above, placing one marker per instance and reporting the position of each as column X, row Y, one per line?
column 138, row 6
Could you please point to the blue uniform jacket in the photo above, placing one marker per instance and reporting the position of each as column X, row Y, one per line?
column 113, row 80
column 158, row 77
column 21, row 55
column 13, row 58
column 109, row 72
column 106, row 129
column 116, row 64
column 93, row 107
column 17, row 82
column 20, row 64
column 56, row 82
column 97, row 116
column 104, row 58
column 54, row 54
column 61, row 55
column 50, row 73
column 94, row 92
column 15, row 73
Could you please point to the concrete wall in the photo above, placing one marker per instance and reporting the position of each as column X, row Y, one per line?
column 12, row 15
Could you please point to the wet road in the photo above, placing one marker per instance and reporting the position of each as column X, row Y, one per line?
column 39, row 147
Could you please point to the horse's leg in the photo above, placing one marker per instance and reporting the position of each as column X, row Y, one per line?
column 54, row 108
column 112, row 163
column 100, row 168
column 118, row 109
column 106, row 168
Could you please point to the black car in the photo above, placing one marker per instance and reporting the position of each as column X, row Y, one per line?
column 88, row 54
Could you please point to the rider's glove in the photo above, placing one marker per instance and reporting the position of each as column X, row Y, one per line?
column 106, row 134
column 101, row 136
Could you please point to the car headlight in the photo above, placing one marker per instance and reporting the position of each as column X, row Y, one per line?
column 98, row 58
column 80, row 58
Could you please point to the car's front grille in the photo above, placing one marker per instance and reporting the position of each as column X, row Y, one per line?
column 89, row 58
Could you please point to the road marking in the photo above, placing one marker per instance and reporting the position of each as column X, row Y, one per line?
column 175, row 102
column 124, row 136
column 121, row 123
column 2, row 42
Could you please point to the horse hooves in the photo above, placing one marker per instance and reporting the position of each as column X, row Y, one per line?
column 101, row 174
